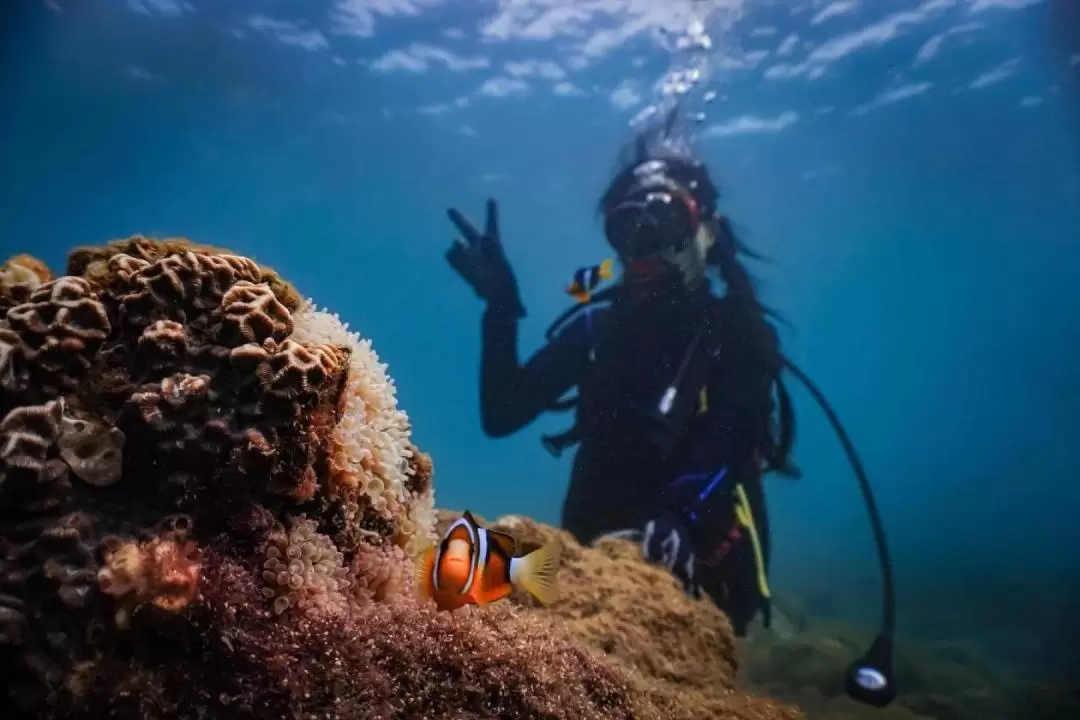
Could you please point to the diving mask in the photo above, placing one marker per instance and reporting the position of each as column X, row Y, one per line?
column 654, row 218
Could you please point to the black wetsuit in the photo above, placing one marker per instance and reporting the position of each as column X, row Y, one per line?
column 622, row 356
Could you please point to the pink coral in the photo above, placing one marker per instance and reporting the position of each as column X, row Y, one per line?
column 379, row 573
column 162, row 572
column 303, row 569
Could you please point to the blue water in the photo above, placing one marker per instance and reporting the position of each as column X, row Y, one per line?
column 925, row 250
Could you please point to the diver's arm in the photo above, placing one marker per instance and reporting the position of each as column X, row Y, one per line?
column 512, row 395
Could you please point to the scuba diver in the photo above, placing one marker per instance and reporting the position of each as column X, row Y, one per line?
column 675, row 389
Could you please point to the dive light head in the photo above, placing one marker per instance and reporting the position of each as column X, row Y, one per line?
column 870, row 679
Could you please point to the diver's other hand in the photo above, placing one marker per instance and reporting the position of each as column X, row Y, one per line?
column 667, row 541
column 479, row 259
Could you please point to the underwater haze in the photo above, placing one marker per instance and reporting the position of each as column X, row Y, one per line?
column 911, row 171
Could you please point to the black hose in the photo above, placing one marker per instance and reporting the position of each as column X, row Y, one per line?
column 889, row 598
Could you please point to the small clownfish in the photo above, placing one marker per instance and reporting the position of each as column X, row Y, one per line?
column 476, row 566
column 586, row 279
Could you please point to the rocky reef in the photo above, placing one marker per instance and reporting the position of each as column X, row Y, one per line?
column 209, row 502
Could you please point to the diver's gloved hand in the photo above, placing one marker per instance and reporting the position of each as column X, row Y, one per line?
column 667, row 541
column 480, row 260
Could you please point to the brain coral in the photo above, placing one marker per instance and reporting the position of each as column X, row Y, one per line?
column 208, row 502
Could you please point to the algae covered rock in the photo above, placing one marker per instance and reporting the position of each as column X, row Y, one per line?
column 209, row 499
column 681, row 651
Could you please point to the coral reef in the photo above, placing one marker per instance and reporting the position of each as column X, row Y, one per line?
column 208, row 502
column 19, row 277
column 163, row 400
column 92, row 262
column 304, row 569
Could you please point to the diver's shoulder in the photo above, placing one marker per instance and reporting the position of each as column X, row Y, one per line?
column 733, row 315
column 579, row 321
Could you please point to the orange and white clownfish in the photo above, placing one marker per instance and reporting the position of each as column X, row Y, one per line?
column 586, row 279
column 475, row 566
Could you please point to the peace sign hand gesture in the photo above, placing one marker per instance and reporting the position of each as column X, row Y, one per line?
column 479, row 259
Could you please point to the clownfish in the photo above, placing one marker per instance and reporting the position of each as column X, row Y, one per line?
column 586, row 279
column 475, row 566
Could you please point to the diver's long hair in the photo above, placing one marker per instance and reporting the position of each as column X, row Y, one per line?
column 664, row 142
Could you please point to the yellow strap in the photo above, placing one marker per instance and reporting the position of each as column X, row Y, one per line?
column 703, row 400
column 746, row 519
